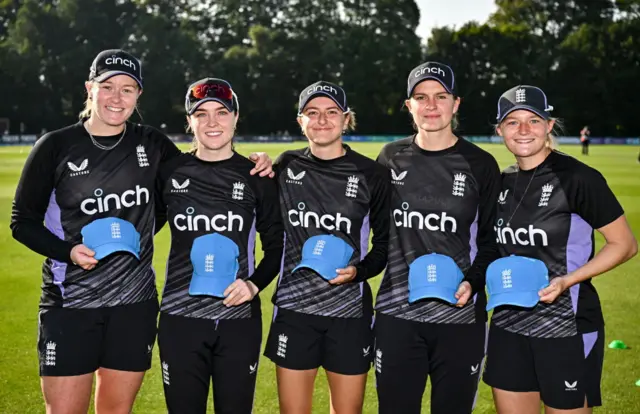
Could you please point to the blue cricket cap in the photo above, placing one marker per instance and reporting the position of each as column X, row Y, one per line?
column 324, row 254
column 215, row 264
column 434, row 276
column 109, row 235
column 516, row 280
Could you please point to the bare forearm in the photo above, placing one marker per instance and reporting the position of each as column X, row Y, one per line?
column 610, row 256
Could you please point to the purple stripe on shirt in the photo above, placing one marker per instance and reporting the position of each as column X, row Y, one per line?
column 473, row 243
column 251, row 248
column 579, row 248
column 284, row 249
column 364, row 237
column 364, row 243
column 589, row 341
column 53, row 223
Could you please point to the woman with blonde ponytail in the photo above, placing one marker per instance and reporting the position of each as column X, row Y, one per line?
column 546, row 341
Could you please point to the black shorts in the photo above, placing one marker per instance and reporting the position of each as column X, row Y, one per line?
column 196, row 351
column 79, row 341
column 407, row 352
column 563, row 370
column 302, row 341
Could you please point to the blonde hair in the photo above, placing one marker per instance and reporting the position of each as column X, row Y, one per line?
column 86, row 112
column 351, row 125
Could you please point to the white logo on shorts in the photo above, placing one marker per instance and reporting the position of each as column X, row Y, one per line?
column 378, row 361
column 253, row 368
column 365, row 351
column 165, row 373
column 474, row 369
column 571, row 386
column 50, row 354
column 282, row 346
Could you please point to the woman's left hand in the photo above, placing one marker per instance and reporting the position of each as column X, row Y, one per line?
column 239, row 292
column 557, row 285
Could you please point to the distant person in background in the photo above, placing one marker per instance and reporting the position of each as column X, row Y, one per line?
column 546, row 342
column 584, row 139
column 430, row 320
column 210, row 319
column 331, row 196
column 85, row 201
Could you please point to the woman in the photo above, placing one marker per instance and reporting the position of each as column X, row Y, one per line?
column 99, row 304
column 210, row 320
column 549, row 205
column 430, row 318
column 330, row 196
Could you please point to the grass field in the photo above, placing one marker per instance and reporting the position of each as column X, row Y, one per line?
column 21, row 278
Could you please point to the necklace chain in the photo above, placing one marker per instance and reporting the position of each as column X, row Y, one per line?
column 523, row 194
column 104, row 147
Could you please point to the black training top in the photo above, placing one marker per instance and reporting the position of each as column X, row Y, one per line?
column 554, row 222
column 443, row 202
column 201, row 197
column 67, row 182
column 345, row 197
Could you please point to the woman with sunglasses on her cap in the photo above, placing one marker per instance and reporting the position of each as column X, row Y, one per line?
column 92, row 184
column 548, row 208
column 330, row 196
column 210, row 320
column 430, row 319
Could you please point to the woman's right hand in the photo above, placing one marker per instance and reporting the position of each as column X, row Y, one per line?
column 82, row 256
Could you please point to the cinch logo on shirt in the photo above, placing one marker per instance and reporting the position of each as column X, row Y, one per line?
column 432, row 221
column 527, row 236
column 306, row 219
column 101, row 204
column 219, row 222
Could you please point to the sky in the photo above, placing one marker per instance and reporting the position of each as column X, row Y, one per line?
column 451, row 13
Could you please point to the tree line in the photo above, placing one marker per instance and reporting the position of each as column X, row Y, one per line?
column 584, row 54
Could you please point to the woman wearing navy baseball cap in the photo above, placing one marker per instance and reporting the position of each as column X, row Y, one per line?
column 210, row 327
column 96, row 316
column 331, row 196
column 549, row 206
column 430, row 320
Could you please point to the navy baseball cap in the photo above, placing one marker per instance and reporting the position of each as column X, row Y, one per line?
column 322, row 88
column 215, row 264
column 525, row 97
column 324, row 254
column 516, row 280
column 210, row 89
column 434, row 71
column 114, row 62
column 109, row 235
column 434, row 276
